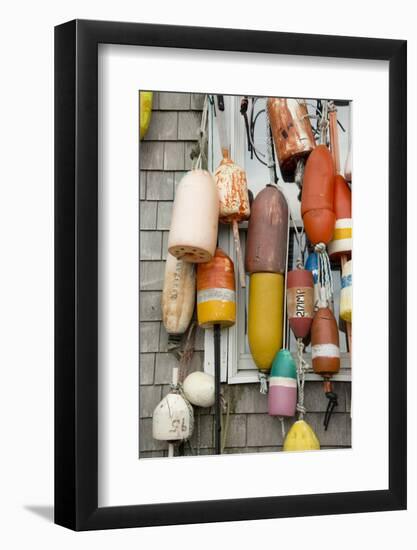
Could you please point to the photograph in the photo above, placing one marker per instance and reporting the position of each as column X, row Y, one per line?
column 245, row 274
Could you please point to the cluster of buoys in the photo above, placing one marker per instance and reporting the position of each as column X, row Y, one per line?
column 201, row 202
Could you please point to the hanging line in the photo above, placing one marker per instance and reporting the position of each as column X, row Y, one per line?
column 324, row 270
column 302, row 368
column 202, row 138
column 270, row 150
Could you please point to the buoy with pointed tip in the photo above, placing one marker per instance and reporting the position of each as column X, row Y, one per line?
column 291, row 131
column 216, row 299
column 282, row 394
column 325, row 352
column 300, row 301
column 301, row 437
column 195, row 215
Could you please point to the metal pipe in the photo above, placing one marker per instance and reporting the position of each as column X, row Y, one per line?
column 217, row 405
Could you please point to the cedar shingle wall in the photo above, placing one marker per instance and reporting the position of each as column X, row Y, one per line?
column 164, row 159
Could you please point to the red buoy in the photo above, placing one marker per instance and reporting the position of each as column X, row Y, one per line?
column 317, row 198
column 300, row 301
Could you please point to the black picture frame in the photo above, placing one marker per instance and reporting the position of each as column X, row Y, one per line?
column 76, row 271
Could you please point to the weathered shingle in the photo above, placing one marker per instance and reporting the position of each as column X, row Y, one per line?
column 149, row 336
column 147, row 214
column 152, row 275
column 174, row 101
column 189, row 125
column 151, row 155
column 160, row 186
column 149, row 397
column 150, row 306
column 164, row 215
column 146, row 368
column 173, row 156
column 150, row 245
column 163, row 126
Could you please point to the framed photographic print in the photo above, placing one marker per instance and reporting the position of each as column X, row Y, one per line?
column 230, row 275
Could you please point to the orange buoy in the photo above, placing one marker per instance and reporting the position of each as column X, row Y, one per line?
column 342, row 236
column 291, row 132
column 317, row 198
column 234, row 201
column 267, row 237
column 325, row 352
column 216, row 302
column 300, row 301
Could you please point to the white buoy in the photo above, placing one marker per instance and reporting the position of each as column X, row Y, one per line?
column 173, row 417
column 178, row 295
column 198, row 388
column 195, row 216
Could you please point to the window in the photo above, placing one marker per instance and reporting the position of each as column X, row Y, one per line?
column 237, row 365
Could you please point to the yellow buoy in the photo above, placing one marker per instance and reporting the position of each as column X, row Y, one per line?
column 301, row 437
column 346, row 292
column 145, row 112
column 265, row 317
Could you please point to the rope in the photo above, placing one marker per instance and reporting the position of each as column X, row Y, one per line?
column 269, row 149
column 263, row 380
column 299, row 237
column 325, row 277
column 302, row 367
column 323, row 123
column 202, row 139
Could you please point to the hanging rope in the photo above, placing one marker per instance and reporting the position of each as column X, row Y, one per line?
column 198, row 154
column 302, row 368
column 270, row 150
column 263, row 381
column 325, row 277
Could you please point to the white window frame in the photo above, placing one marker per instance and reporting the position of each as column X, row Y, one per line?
column 238, row 367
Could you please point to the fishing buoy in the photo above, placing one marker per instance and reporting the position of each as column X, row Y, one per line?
column 172, row 419
column 198, row 389
column 325, row 352
column 267, row 236
column 282, row 394
column 300, row 301
column 216, row 300
column 178, row 295
column 291, row 132
column 346, row 292
column 233, row 191
column 317, row 198
column 342, row 236
column 265, row 317
column 195, row 214
column 301, row 437
column 145, row 112
column 234, row 202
